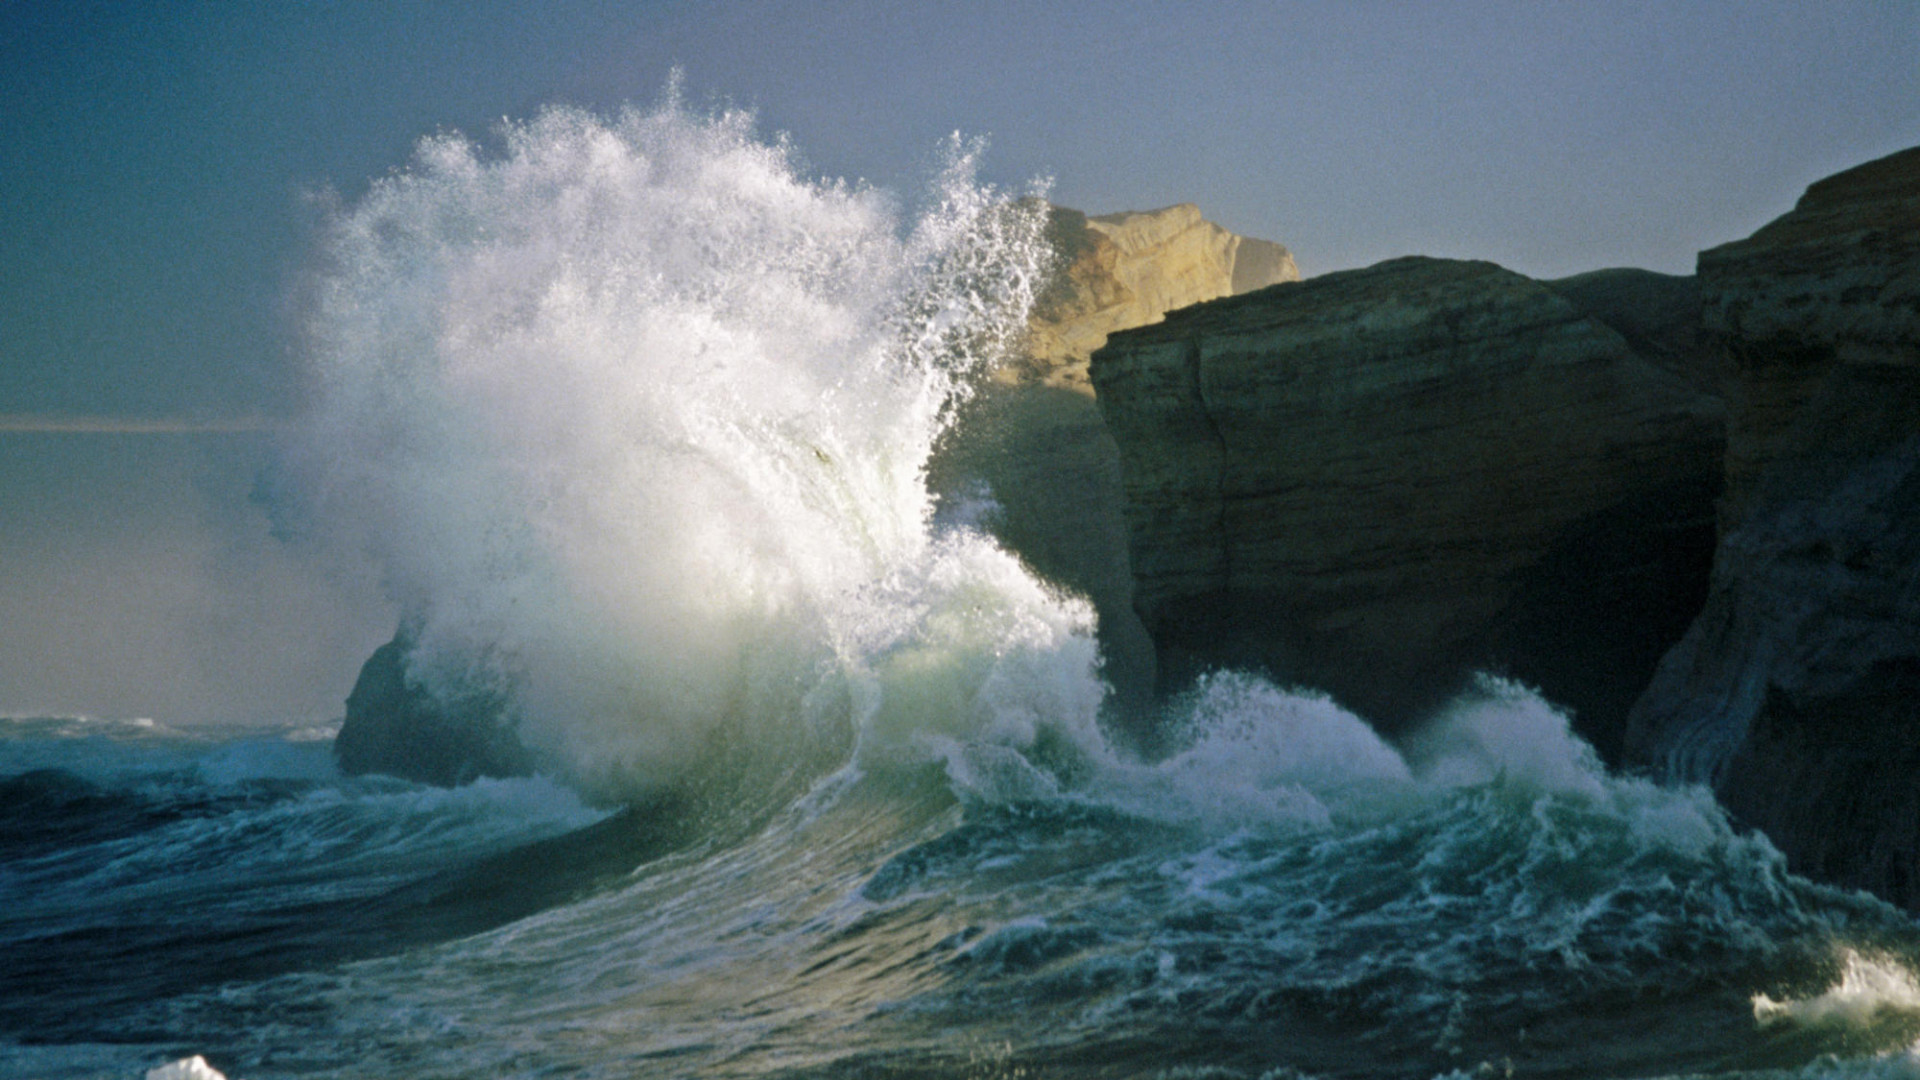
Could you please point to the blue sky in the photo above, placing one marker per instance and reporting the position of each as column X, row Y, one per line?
column 156, row 160
column 155, row 154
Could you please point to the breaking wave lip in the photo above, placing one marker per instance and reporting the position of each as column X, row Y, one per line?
column 1870, row 987
column 636, row 418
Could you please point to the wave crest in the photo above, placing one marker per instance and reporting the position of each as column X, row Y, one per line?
column 635, row 418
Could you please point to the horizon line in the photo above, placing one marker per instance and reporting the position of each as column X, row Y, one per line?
column 53, row 424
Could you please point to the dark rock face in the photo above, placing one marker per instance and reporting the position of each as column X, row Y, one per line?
column 396, row 727
column 1054, row 473
column 1658, row 315
column 1796, row 693
column 1377, row 481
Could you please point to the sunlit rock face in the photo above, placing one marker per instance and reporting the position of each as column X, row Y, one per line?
column 1033, row 435
column 1030, row 448
column 1377, row 481
column 1119, row 271
column 1797, row 691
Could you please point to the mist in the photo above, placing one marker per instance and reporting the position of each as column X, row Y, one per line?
column 143, row 579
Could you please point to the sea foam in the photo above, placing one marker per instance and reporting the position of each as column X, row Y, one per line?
column 1869, row 987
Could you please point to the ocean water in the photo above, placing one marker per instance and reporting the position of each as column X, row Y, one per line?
column 635, row 417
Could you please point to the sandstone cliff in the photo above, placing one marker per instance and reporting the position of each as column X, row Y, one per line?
column 1797, row 691
column 1035, row 438
column 1032, row 436
column 1376, row 481
column 1119, row 271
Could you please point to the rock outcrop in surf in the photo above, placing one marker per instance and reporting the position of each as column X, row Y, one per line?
column 1796, row 693
column 1031, row 437
column 1371, row 481
column 1378, row 481
column 396, row 725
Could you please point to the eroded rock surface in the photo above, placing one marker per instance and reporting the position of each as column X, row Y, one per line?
column 1796, row 693
column 1377, row 481
column 396, row 726
column 1119, row 271
column 1034, row 436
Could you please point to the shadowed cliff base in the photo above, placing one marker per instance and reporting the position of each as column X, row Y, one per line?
column 1794, row 692
column 1379, row 481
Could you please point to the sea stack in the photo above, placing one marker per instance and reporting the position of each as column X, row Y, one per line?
column 1796, row 693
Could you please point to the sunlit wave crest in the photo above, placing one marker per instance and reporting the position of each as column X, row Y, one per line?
column 636, row 418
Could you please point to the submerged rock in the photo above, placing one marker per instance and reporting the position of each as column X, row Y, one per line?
column 396, row 726
column 1796, row 693
column 1375, row 482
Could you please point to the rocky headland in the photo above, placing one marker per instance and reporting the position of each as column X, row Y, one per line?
column 1689, row 509
column 1685, row 508
column 1381, row 481
column 1796, row 693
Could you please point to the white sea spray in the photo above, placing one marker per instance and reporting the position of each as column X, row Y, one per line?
column 636, row 419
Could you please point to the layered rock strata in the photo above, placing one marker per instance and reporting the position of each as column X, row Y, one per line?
column 1375, row 482
column 1796, row 693
column 1119, row 271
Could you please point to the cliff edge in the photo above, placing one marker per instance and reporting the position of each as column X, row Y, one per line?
column 1119, row 271
column 1377, row 481
column 1796, row 693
